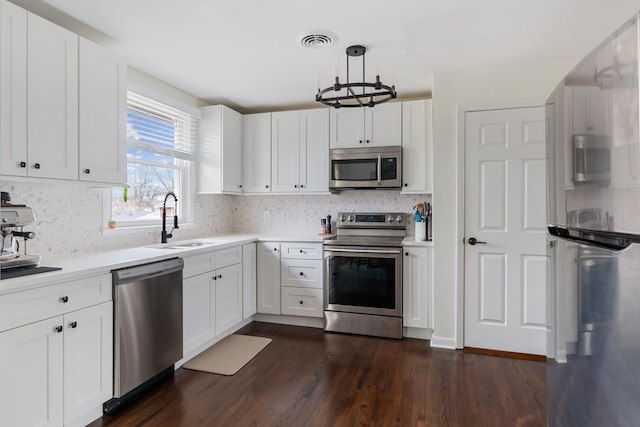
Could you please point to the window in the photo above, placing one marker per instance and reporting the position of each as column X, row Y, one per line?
column 161, row 142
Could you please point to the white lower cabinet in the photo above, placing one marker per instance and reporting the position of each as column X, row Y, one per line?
column 228, row 285
column 268, row 278
column 212, row 296
column 417, row 281
column 249, row 280
column 56, row 371
column 301, row 279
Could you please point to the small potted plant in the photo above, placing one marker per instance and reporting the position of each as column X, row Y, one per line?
column 112, row 223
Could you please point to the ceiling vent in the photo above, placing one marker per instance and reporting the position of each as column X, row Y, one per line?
column 316, row 39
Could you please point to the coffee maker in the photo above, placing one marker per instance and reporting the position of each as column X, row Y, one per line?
column 13, row 237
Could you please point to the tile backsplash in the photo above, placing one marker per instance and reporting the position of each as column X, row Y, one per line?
column 69, row 215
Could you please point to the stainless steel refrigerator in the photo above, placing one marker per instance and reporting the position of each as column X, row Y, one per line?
column 593, row 171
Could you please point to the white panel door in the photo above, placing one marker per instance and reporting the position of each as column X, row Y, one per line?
column 314, row 150
column 256, row 152
column 505, row 271
column 346, row 127
column 102, row 115
column 31, row 372
column 198, row 299
column 383, row 125
column 285, row 151
column 228, row 284
column 249, row 280
column 268, row 277
column 13, row 90
column 52, row 100
column 88, row 359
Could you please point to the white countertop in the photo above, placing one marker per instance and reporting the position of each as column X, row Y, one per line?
column 412, row 242
column 87, row 265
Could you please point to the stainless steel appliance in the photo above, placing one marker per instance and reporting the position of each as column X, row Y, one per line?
column 13, row 246
column 591, row 158
column 363, row 274
column 593, row 345
column 147, row 326
column 366, row 167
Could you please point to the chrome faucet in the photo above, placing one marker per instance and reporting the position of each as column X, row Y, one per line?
column 166, row 236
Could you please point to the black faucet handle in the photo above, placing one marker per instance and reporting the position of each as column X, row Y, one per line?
column 175, row 221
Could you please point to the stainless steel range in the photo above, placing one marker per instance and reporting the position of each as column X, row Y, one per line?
column 363, row 280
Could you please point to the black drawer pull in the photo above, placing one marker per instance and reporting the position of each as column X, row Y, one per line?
column 64, row 299
column 58, row 329
column 73, row 325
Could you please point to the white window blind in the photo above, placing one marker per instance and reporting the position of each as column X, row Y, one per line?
column 158, row 128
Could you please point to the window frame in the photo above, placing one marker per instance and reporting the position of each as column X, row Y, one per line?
column 186, row 180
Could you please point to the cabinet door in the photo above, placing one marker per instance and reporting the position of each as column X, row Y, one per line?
column 88, row 359
column 256, row 166
column 198, row 299
column 249, row 281
column 589, row 110
column 314, row 150
column 347, row 127
column 228, row 285
column 52, row 100
column 285, row 151
column 220, row 163
column 268, row 278
column 417, row 161
column 231, row 151
column 102, row 115
column 31, row 374
column 417, row 273
column 13, row 87
column 383, row 125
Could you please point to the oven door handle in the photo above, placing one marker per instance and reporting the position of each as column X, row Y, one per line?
column 365, row 251
column 379, row 169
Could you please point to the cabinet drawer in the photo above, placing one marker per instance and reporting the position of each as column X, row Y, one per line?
column 301, row 273
column 229, row 256
column 302, row 250
column 198, row 264
column 21, row 308
column 302, row 302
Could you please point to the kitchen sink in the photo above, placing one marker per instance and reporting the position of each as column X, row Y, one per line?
column 187, row 245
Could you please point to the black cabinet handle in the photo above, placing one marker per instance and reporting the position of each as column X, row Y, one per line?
column 73, row 325
column 22, row 164
column 301, row 302
column 295, row 186
column 64, row 299
column 301, row 251
column 368, row 141
column 360, row 141
column 58, row 329
column 87, row 171
column 220, row 276
column 301, row 273
column 266, row 186
column 406, row 254
column 275, row 249
column 406, row 184
column 240, row 185
column 36, row 165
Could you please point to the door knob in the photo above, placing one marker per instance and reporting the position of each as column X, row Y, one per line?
column 473, row 241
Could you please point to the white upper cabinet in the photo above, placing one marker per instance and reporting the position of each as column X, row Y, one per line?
column 417, row 147
column 256, row 151
column 103, row 114
column 43, row 133
column 590, row 107
column 299, row 151
column 13, row 89
column 314, row 150
column 220, row 164
column 379, row 126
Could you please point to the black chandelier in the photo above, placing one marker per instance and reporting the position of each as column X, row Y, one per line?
column 381, row 92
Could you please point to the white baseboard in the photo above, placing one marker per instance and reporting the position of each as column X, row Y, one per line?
column 443, row 342
column 417, row 333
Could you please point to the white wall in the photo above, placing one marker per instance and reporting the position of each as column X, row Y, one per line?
column 454, row 91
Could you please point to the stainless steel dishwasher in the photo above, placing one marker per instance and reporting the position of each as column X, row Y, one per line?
column 147, row 326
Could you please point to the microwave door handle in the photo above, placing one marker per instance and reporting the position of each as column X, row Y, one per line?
column 379, row 169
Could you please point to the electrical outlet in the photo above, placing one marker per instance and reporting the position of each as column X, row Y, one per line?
column 266, row 216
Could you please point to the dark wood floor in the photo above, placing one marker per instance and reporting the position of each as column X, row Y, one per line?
column 306, row 377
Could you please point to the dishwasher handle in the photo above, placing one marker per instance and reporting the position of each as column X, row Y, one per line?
column 147, row 271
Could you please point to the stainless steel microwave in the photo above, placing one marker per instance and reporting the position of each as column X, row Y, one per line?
column 591, row 158
column 370, row 167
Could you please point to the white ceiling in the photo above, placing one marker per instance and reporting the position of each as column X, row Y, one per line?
column 244, row 53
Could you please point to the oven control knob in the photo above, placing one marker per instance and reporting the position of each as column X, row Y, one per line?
column 351, row 218
column 343, row 218
column 390, row 218
column 399, row 218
